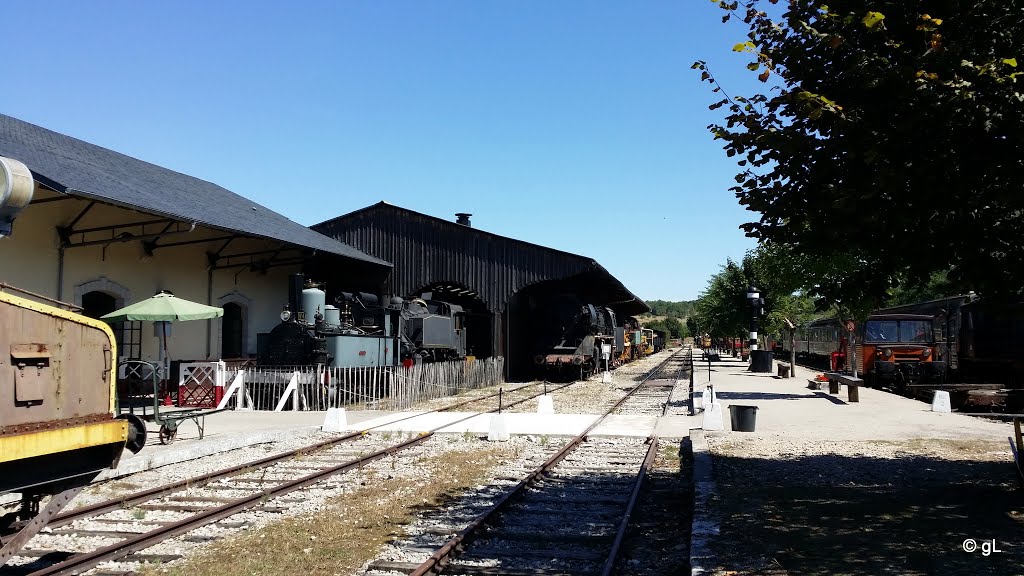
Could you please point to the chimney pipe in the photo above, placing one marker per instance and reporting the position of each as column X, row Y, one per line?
column 463, row 218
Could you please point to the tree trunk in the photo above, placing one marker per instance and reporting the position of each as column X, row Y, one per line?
column 792, row 352
column 851, row 343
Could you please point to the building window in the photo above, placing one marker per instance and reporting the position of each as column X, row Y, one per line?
column 232, row 332
column 96, row 304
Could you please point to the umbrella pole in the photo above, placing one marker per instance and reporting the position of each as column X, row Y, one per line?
column 163, row 356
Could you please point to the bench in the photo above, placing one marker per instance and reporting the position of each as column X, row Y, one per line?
column 852, row 385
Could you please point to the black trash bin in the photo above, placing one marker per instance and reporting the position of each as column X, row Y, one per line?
column 743, row 417
column 761, row 361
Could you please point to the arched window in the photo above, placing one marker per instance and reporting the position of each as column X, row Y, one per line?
column 102, row 296
column 234, row 325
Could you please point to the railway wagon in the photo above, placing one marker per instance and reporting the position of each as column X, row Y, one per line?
column 58, row 427
column 890, row 349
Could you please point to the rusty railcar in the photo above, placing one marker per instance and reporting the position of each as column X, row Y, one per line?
column 58, row 424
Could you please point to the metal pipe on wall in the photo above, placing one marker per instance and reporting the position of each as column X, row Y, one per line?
column 209, row 302
column 60, row 272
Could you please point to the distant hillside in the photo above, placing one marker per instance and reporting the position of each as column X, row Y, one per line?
column 668, row 316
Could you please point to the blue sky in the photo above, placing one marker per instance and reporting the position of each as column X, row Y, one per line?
column 576, row 125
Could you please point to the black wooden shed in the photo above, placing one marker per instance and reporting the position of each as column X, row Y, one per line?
column 500, row 280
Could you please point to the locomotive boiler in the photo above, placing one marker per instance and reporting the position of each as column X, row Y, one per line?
column 572, row 338
column 359, row 330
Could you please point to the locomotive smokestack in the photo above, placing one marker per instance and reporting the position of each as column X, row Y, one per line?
column 463, row 218
column 296, row 282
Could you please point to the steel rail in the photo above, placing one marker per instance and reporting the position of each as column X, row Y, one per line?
column 85, row 561
column 620, row 534
column 437, row 561
column 204, row 479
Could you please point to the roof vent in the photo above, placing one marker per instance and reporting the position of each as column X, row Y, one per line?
column 463, row 218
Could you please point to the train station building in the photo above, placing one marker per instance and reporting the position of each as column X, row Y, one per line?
column 503, row 282
column 105, row 230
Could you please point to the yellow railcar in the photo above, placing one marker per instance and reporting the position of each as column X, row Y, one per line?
column 58, row 426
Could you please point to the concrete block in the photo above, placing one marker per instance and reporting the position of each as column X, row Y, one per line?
column 713, row 419
column 545, row 404
column 940, row 402
column 335, row 420
column 606, row 378
column 498, row 429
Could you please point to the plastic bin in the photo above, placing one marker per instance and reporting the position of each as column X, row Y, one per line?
column 761, row 361
column 743, row 417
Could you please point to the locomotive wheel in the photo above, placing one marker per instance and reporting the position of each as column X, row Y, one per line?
column 167, row 435
column 136, row 432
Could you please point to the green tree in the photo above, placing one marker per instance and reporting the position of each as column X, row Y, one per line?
column 888, row 146
column 675, row 328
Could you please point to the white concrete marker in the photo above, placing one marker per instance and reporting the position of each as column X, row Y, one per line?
column 335, row 421
column 545, row 404
column 498, row 430
column 940, row 402
column 708, row 397
column 606, row 378
column 713, row 417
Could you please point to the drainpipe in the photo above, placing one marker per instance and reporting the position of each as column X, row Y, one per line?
column 209, row 302
column 60, row 272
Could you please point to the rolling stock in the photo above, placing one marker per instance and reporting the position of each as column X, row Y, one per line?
column 889, row 349
column 58, row 422
column 359, row 330
column 574, row 336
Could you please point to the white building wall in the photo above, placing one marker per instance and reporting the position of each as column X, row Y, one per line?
column 29, row 260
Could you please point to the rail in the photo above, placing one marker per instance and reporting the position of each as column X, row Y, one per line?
column 435, row 564
column 87, row 560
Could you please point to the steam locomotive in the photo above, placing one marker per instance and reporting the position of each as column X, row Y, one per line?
column 359, row 330
column 574, row 337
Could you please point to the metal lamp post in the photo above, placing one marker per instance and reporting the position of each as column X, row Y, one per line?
column 753, row 294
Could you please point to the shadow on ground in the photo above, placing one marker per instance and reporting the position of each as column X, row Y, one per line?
column 761, row 396
column 832, row 514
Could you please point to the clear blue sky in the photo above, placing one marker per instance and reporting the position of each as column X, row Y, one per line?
column 576, row 125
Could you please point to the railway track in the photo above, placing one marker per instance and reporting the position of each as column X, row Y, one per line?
column 123, row 527
column 567, row 516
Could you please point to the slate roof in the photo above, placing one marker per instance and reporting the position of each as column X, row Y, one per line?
column 425, row 249
column 79, row 168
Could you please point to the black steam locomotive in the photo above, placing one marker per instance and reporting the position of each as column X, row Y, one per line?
column 574, row 337
column 361, row 331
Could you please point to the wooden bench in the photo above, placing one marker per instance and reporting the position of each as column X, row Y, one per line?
column 852, row 385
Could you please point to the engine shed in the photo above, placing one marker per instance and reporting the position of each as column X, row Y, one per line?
column 501, row 282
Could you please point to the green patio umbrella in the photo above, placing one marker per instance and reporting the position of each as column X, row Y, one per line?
column 164, row 307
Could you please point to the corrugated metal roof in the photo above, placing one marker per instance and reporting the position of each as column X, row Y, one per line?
column 79, row 168
column 426, row 250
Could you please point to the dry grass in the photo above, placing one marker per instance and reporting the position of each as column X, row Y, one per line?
column 352, row 529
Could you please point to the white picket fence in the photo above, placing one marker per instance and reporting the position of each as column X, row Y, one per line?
column 356, row 388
